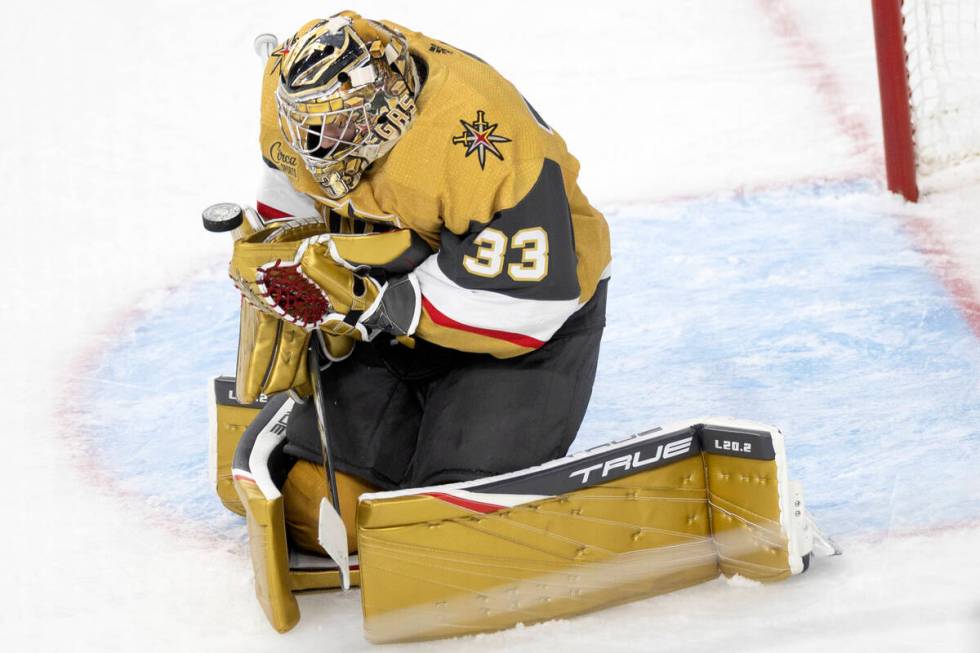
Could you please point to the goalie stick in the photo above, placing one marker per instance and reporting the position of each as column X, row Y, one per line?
column 331, row 531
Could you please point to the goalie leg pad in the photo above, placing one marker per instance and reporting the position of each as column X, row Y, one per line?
column 270, row 555
column 657, row 512
column 260, row 470
column 229, row 419
column 437, row 569
column 743, row 498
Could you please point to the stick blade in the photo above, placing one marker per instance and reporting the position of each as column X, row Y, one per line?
column 332, row 535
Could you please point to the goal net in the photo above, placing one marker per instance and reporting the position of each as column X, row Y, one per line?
column 929, row 77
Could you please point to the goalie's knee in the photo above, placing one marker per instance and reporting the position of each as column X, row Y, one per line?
column 269, row 482
column 304, row 487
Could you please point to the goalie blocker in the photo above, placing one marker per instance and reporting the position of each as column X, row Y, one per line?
column 658, row 511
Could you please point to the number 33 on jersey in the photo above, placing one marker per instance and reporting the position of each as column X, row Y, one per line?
column 492, row 250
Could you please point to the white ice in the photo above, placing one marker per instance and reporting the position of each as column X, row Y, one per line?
column 761, row 270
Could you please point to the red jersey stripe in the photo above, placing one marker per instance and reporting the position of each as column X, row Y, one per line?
column 270, row 213
column 444, row 320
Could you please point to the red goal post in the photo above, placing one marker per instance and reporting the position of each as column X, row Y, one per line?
column 929, row 80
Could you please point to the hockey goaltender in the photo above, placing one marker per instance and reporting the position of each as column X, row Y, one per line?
column 423, row 295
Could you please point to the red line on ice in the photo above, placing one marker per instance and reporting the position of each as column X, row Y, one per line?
column 950, row 273
column 73, row 414
column 811, row 62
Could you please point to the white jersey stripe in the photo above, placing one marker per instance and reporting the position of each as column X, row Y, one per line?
column 484, row 309
column 275, row 191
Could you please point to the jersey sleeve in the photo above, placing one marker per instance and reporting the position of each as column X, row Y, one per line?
column 504, row 285
column 386, row 250
column 276, row 198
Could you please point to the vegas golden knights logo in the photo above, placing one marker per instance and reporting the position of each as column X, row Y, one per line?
column 478, row 136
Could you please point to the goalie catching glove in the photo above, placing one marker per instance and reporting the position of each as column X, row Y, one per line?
column 295, row 278
column 312, row 285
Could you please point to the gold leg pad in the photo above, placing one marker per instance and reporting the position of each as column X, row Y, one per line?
column 270, row 555
column 743, row 496
column 231, row 424
column 435, row 569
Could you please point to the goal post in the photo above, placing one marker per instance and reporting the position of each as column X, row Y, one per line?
column 928, row 54
column 893, row 87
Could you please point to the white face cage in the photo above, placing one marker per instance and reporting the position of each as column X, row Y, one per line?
column 340, row 127
column 324, row 139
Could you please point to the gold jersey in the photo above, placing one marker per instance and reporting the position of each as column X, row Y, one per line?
column 512, row 245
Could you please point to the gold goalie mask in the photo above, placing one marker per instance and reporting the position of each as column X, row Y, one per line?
column 346, row 94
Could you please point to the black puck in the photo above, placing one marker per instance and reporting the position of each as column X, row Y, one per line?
column 225, row 216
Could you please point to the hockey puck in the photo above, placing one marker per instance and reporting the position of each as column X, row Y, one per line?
column 225, row 216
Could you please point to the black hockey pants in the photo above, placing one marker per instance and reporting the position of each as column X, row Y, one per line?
column 400, row 417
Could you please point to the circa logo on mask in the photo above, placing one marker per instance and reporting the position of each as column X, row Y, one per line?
column 283, row 159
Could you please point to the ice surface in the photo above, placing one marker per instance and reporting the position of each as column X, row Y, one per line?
column 801, row 308
column 760, row 272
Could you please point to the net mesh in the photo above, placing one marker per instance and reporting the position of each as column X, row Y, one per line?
column 943, row 48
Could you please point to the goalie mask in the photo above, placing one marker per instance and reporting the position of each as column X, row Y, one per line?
column 346, row 94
